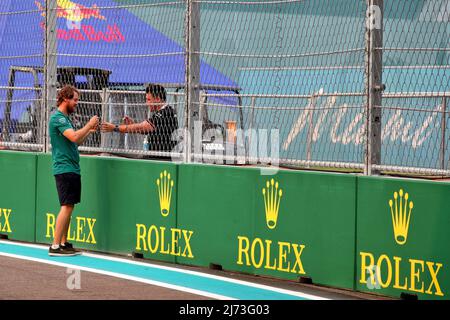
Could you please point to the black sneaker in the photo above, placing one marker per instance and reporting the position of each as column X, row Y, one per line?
column 62, row 252
column 67, row 245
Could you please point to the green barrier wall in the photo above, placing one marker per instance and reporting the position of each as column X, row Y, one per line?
column 304, row 224
column 17, row 195
column 120, row 209
column 406, row 250
column 217, row 204
column 315, row 226
column 379, row 235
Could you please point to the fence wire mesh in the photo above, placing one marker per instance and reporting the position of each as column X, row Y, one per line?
column 298, row 65
column 125, row 51
column 285, row 82
column 20, row 93
column 416, row 75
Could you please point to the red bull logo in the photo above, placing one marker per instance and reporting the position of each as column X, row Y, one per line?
column 75, row 14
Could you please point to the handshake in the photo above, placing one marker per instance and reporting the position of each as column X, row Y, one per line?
column 94, row 123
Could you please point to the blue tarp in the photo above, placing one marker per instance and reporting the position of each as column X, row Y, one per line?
column 106, row 36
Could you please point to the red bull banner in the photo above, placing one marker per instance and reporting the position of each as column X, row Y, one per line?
column 102, row 34
column 76, row 23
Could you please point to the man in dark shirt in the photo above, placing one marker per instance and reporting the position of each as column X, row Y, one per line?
column 159, row 127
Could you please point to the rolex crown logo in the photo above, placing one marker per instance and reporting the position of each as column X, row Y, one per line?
column 165, row 185
column 272, row 198
column 401, row 214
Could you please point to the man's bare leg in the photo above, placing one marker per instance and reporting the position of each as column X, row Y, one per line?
column 62, row 224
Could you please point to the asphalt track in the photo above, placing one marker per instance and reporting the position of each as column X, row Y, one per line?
column 28, row 273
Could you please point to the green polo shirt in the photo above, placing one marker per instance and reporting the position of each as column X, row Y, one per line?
column 65, row 155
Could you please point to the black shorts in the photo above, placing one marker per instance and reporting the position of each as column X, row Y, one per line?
column 69, row 188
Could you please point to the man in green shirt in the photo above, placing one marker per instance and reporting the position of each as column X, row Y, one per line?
column 66, row 164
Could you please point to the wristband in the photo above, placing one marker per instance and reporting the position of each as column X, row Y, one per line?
column 116, row 128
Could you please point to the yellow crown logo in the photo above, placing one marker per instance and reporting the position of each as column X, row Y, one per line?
column 165, row 185
column 272, row 198
column 401, row 214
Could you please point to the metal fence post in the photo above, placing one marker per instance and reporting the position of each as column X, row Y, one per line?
column 250, row 139
column 8, row 106
column 106, row 116
column 49, row 68
column 309, row 139
column 192, row 38
column 374, row 65
column 443, row 131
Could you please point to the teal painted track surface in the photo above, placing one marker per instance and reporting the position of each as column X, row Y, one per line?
column 151, row 273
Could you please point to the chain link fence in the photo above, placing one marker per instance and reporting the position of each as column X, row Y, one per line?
column 337, row 84
column 21, row 121
column 416, row 73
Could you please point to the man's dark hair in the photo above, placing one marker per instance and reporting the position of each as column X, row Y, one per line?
column 156, row 91
column 67, row 92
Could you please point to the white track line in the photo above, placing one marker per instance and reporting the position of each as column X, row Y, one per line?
column 196, row 273
column 121, row 276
